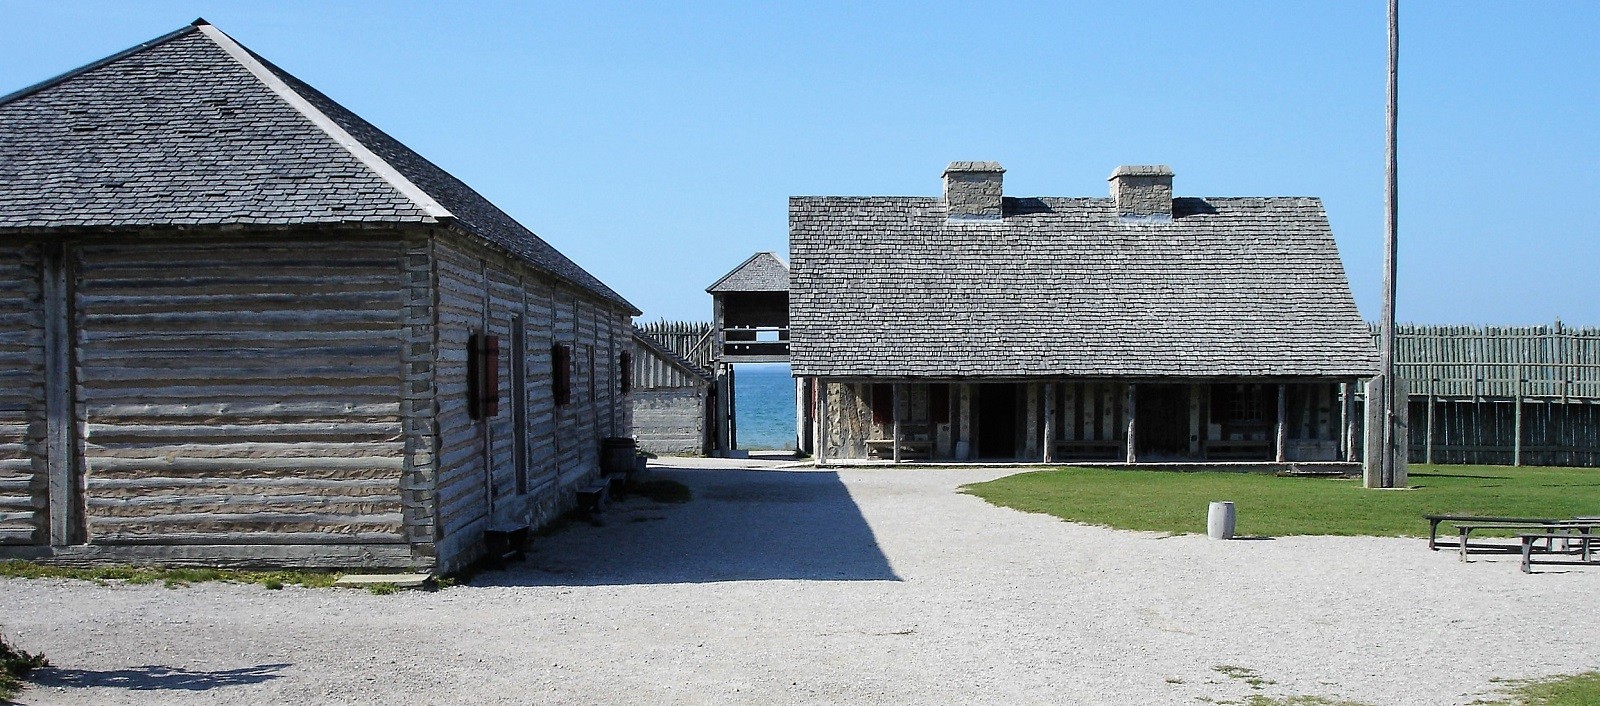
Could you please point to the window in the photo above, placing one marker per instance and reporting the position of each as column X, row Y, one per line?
column 561, row 373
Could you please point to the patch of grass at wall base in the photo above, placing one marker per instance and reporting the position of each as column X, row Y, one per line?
column 170, row 577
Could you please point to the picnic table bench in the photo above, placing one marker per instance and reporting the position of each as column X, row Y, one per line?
column 1553, row 529
column 1434, row 520
column 1586, row 542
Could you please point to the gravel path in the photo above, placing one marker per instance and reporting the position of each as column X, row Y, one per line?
column 868, row 586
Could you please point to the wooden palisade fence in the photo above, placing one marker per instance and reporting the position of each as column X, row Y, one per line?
column 691, row 340
column 1513, row 395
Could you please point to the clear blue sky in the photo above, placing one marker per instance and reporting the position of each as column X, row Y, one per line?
column 657, row 145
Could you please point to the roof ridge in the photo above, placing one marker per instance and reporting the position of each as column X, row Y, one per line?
column 380, row 166
column 86, row 68
column 746, row 263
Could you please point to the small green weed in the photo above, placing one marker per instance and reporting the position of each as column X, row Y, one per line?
column 1259, row 700
column 15, row 665
column 1244, row 674
column 383, row 589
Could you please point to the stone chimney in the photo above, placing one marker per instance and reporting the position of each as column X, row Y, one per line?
column 972, row 191
column 1143, row 192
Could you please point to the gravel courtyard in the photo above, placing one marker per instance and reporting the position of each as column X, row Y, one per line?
column 780, row 585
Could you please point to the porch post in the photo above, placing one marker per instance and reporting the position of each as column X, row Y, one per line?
column 1349, row 391
column 1516, row 422
column 1049, row 422
column 1030, row 440
column 1282, row 436
column 1427, row 434
column 821, row 437
column 1133, row 398
column 894, row 435
column 1194, row 420
column 723, row 391
column 964, row 439
column 800, row 420
column 733, row 409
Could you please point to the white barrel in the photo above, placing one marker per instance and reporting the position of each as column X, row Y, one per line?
column 1219, row 524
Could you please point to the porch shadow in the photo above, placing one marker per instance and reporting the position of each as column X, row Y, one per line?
column 742, row 525
column 155, row 677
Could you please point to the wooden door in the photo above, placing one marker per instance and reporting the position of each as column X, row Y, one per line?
column 1163, row 421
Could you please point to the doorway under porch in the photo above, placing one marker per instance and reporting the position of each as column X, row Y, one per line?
column 1146, row 422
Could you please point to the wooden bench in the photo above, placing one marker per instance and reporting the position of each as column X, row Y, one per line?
column 1434, row 520
column 1586, row 542
column 1236, row 448
column 884, row 448
column 506, row 542
column 1112, row 448
column 592, row 499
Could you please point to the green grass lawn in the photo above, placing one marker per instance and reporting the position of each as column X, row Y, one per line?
column 1561, row 690
column 1267, row 505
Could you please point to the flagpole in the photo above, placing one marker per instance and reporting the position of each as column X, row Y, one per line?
column 1390, row 227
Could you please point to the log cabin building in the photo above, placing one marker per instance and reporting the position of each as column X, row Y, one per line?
column 241, row 325
column 1139, row 328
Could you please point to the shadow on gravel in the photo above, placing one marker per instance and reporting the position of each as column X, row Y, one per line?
column 155, row 677
column 741, row 525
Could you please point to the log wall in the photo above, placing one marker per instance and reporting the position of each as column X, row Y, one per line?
column 24, row 481
column 239, row 392
column 286, row 398
column 477, row 471
column 671, row 420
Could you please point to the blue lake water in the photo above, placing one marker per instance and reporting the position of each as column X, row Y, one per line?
column 764, row 399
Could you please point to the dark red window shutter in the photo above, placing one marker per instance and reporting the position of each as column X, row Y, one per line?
column 882, row 403
column 561, row 373
column 491, row 376
column 483, row 376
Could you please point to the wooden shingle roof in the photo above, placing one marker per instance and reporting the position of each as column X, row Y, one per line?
column 192, row 129
column 762, row 272
column 1231, row 287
